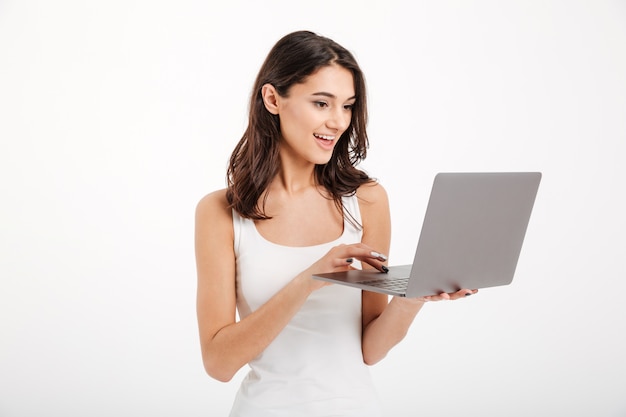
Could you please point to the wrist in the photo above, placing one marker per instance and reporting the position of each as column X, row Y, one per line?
column 306, row 283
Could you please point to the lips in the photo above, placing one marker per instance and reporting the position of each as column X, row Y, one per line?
column 324, row 137
column 327, row 142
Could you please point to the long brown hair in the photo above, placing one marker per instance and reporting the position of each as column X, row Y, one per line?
column 255, row 160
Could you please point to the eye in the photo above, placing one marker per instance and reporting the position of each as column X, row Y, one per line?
column 320, row 104
column 349, row 107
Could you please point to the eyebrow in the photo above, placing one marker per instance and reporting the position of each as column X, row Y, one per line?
column 330, row 95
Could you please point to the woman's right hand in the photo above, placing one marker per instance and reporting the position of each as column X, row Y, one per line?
column 341, row 257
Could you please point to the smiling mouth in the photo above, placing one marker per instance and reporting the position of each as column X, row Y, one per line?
column 324, row 137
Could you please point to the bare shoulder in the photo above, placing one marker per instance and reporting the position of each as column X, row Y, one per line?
column 213, row 212
column 372, row 195
column 213, row 204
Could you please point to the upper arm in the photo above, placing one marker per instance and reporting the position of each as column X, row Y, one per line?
column 215, row 265
column 376, row 220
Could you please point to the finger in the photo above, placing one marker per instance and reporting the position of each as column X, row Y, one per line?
column 376, row 265
column 379, row 256
column 362, row 251
column 365, row 254
column 462, row 294
column 376, row 259
column 342, row 262
column 437, row 297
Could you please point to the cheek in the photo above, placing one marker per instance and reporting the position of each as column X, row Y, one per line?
column 296, row 121
column 348, row 121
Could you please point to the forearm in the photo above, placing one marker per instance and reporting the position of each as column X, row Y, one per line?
column 389, row 328
column 237, row 344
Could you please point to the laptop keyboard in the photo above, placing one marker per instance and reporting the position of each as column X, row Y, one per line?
column 396, row 284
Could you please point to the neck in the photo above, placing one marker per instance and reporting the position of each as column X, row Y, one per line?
column 294, row 175
column 293, row 181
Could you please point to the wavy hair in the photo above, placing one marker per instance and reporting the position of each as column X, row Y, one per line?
column 255, row 160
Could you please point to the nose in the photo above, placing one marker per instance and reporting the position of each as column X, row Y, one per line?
column 339, row 119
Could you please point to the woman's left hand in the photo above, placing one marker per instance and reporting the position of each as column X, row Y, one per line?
column 443, row 296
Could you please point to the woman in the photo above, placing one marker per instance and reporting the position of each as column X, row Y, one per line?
column 296, row 204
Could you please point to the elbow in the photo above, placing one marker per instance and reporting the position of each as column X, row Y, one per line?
column 217, row 369
column 374, row 351
column 221, row 375
column 371, row 360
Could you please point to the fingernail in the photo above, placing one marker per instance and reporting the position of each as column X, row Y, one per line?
column 379, row 256
column 385, row 269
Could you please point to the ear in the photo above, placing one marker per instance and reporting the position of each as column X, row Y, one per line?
column 270, row 98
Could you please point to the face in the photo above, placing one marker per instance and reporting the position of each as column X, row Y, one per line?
column 315, row 114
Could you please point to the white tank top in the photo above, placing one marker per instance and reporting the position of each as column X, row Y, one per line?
column 315, row 366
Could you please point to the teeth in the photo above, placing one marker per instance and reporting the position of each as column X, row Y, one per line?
column 325, row 137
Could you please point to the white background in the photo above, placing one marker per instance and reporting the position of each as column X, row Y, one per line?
column 117, row 116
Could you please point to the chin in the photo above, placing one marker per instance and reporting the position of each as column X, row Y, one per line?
column 322, row 160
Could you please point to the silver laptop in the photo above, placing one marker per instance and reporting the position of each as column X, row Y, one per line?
column 471, row 237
